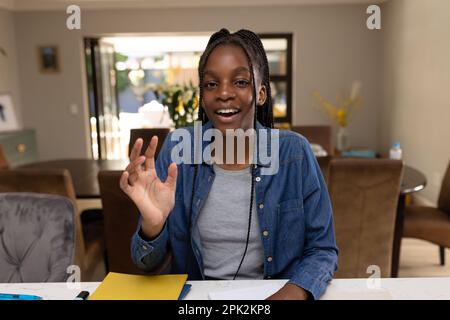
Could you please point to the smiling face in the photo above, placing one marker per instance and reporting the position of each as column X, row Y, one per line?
column 228, row 89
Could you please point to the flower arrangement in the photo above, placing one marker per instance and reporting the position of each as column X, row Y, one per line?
column 341, row 111
column 345, row 105
column 181, row 100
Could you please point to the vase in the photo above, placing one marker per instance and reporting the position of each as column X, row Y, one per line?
column 342, row 139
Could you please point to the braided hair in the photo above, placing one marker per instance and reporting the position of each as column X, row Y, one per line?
column 256, row 57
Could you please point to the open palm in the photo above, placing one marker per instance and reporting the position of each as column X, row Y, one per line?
column 154, row 198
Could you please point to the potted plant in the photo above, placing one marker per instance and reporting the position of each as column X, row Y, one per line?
column 181, row 100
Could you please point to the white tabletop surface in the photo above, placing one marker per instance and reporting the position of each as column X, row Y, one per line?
column 389, row 288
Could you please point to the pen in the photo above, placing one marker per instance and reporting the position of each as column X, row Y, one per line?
column 82, row 295
column 184, row 291
column 14, row 296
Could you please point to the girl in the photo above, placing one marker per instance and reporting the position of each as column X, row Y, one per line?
column 227, row 220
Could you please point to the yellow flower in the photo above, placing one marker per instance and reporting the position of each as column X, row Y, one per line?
column 341, row 117
column 195, row 102
column 342, row 110
column 180, row 105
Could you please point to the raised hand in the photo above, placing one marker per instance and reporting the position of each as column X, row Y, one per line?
column 154, row 199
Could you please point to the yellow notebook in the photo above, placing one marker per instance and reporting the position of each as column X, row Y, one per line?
column 119, row 286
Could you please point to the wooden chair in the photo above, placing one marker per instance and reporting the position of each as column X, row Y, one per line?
column 146, row 134
column 4, row 164
column 431, row 223
column 364, row 195
column 88, row 252
column 324, row 164
column 120, row 220
column 319, row 134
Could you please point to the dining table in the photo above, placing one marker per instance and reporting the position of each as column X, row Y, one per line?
column 337, row 289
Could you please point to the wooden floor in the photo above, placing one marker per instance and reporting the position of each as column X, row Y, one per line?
column 421, row 259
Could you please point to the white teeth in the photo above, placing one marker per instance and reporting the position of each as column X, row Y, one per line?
column 227, row 110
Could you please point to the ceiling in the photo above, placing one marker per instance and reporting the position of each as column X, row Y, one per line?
column 36, row 5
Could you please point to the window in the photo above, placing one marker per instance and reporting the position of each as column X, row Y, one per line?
column 279, row 55
column 123, row 73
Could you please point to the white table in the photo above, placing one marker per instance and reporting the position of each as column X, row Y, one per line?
column 391, row 288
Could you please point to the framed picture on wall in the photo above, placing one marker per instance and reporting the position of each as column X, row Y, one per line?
column 8, row 120
column 48, row 59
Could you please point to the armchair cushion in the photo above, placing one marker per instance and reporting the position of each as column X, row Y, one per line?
column 36, row 237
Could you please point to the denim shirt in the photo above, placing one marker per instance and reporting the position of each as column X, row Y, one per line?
column 293, row 208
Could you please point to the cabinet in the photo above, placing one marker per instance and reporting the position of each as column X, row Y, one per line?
column 19, row 146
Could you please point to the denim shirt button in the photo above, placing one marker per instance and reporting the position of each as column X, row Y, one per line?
column 144, row 247
column 269, row 259
column 258, row 179
column 261, row 206
column 265, row 233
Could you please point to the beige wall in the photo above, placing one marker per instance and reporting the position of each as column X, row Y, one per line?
column 47, row 98
column 332, row 47
column 416, row 84
column 9, row 79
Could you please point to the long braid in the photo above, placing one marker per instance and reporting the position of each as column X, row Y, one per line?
column 252, row 191
column 265, row 113
column 190, row 210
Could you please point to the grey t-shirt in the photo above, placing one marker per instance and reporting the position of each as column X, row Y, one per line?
column 223, row 225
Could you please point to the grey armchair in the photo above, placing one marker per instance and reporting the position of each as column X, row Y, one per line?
column 89, row 246
column 37, row 237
